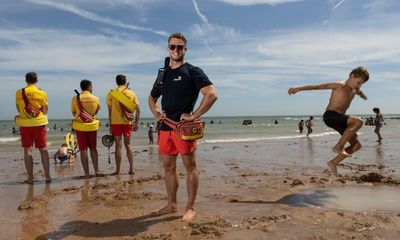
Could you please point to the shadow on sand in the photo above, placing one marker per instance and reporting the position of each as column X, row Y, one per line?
column 114, row 228
column 318, row 198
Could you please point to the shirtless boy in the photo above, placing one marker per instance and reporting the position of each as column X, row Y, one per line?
column 334, row 116
column 62, row 154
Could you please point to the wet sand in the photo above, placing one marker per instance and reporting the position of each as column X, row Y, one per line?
column 278, row 189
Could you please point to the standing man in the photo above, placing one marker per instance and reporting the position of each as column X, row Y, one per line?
column 378, row 123
column 180, row 90
column 301, row 126
column 122, row 103
column 86, row 131
column 309, row 124
column 32, row 119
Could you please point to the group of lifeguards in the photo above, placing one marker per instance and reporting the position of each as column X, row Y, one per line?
column 123, row 113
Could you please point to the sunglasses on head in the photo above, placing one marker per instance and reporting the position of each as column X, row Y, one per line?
column 179, row 47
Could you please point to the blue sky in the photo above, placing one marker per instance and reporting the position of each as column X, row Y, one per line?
column 252, row 50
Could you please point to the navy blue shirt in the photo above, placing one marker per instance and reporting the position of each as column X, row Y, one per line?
column 180, row 91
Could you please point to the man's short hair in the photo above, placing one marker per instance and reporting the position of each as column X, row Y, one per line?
column 31, row 77
column 361, row 72
column 177, row 35
column 120, row 79
column 376, row 110
column 85, row 84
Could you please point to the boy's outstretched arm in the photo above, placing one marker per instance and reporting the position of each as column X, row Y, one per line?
column 314, row 87
column 361, row 94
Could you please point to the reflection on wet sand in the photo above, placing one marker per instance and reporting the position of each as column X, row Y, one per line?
column 36, row 214
column 310, row 150
column 379, row 155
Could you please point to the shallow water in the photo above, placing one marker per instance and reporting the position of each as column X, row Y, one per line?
column 351, row 198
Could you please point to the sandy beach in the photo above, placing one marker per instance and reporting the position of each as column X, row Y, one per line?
column 272, row 189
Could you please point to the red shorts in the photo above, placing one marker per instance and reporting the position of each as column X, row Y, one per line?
column 170, row 144
column 121, row 129
column 86, row 139
column 30, row 135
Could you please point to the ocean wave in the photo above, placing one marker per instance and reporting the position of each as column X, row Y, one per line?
column 8, row 139
column 255, row 139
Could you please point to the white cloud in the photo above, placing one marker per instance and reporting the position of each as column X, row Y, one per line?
column 62, row 50
column 257, row 2
column 93, row 16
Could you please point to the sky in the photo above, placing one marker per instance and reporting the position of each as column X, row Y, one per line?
column 252, row 50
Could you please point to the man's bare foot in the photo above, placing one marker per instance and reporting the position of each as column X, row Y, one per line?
column 99, row 174
column 333, row 168
column 29, row 181
column 165, row 210
column 337, row 150
column 131, row 172
column 189, row 215
column 115, row 173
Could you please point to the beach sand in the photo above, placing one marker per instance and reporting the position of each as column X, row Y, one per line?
column 278, row 189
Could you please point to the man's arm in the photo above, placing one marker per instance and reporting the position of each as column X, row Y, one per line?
column 135, row 126
column 154, row 108
column 314, row 87
column 109, row 116
column 209, row 98
column 45, row 109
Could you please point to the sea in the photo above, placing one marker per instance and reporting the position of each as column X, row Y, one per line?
column 218, row 129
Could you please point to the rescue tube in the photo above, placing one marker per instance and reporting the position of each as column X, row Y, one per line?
column 85, row 127
column 71, row 143
column 31, row 122
column 123, row 99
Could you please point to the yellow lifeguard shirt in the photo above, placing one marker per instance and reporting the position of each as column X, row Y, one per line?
column 89, row 102
column 116, row 113
column 37, row 97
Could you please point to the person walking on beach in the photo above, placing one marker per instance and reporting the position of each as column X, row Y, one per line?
column 378, row 123
column 32, row 106
column 120, row 123
column 180, row 90
column 309, row 124
column 150, row 133
column 86, row 138
column 334, row 116
column 301, row 126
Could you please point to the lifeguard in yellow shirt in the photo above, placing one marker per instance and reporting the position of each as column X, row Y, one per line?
column 84, row 108
column 32, row 120
column 123, row 109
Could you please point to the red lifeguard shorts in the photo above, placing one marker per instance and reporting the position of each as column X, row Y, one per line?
column 30, row 135
column 170, row 144
column 86, row 139
column 121, row 129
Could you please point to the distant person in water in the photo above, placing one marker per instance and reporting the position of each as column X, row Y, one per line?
column 378, row 123
column 309, row 124
column 342, row 94
column 150, row 133
column 301, row 126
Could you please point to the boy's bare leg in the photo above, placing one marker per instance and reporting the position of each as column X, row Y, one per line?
column 129, row 154
column 85, row 163
column 29, row 164
column 171, row 183
column 192, row 183
column 118, row 154
column 353, row 125
column 354, row 146
column 44, row 155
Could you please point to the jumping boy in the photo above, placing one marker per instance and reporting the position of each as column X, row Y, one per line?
column 334, row 116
